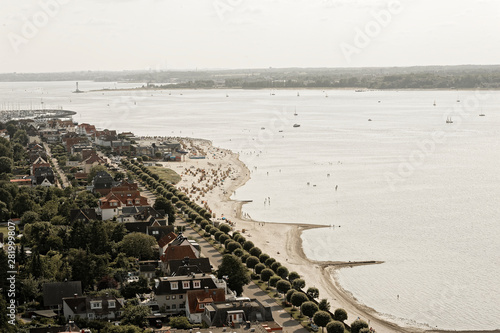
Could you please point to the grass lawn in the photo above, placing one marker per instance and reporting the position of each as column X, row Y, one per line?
column 166, row 174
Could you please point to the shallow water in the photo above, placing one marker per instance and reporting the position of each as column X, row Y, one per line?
column 413, row 191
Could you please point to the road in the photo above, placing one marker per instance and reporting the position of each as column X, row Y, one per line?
column 65, row 182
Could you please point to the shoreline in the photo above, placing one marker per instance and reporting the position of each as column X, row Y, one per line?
column 287, row 250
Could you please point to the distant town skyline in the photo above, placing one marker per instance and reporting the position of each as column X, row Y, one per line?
column 74, row 35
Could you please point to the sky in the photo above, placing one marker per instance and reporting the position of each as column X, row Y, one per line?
column 73, row 35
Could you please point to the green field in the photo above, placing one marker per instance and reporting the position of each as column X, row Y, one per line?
column 166, row 174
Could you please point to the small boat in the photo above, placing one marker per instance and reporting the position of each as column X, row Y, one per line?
column 369, row 119
column 481, row 115
column 262, row 128
column 227, row 95
column 434, row 103
column 449, row 121
column 295, row 113
column 296, row 125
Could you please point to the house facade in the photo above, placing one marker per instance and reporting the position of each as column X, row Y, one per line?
column 171, row 292
column 98, row 307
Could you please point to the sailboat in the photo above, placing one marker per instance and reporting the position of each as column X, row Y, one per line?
column 298, row 95
column 449, row 121
column 295, row 113
column 458, row 99
column 434, row 103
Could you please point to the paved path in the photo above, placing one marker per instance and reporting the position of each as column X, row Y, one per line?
column 251, row 290
column 65, row 182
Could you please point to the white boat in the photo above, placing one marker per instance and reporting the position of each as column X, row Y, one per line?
column 449, row 121
column 481, row 115
column 295, row 113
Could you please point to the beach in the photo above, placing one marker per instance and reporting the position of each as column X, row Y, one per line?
column 212, row 180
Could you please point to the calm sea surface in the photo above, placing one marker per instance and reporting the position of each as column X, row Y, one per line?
column 406, row 187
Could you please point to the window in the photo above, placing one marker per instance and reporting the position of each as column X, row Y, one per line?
column 174, row 306
column 196, row 284
column 181, row 296
column 182, row 306
column 174, row 296
column 174, row 285
column 167, row 297
column 185, row 284
column 96, row 305
column 91, row 315
column 202, row 306
column 137, row 201
column 111, row 304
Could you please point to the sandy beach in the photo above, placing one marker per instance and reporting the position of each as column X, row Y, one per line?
column 211, row 182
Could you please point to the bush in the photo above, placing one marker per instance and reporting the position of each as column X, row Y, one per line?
column 255, row 251
column 259, row 268
column 263, row 257
column 180, row 323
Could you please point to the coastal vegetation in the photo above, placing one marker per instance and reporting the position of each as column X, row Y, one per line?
column 424, row 77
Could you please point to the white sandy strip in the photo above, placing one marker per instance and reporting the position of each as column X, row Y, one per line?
column 279, row 240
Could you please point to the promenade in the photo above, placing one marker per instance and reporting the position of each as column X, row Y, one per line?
column 251, row 290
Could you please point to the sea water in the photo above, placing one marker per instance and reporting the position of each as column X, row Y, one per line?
column 382, row 169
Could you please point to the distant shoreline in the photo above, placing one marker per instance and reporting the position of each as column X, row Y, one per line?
column 287, row 88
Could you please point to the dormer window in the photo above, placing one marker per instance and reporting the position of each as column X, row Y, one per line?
column 96, row 304
column 137, row 201
column 185, row 284
column 111, row 304
column 196, row 284
column 174, row 285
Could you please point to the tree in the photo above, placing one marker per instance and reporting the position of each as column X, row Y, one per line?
column 259, row 268
column 164, row 204
column 180, row 323
column 275, row 265
column 298, row 298
column 270, row 261
column 357, row 325
column 282, row 286
column 248, row 245
column 29, row 217
column 273, row 280
column 232, row 246
column 21, row 137
column 138, row 245
column 298, row 284
column 130, row 290
column 224, row 228
column 266, row 274
column 6, row 164
column 289, row 294
column 107, row 282
column 292, row 276
column 309, row 308
column 236, row 273
column 324, row 305
column 94, row 170
column 263, row 257
column 322, row 318
column 335, row 327
column 251, row 262
column 340, row 314
column 312, row 292
column 255, row 251
column 136, row 315
column 282, row 271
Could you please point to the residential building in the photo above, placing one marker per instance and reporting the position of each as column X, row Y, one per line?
column 171, row 291
column 93, row 307
column 237, row 312
column 54, row 292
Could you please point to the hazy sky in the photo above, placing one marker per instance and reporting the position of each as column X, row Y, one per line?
column 64, row 35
